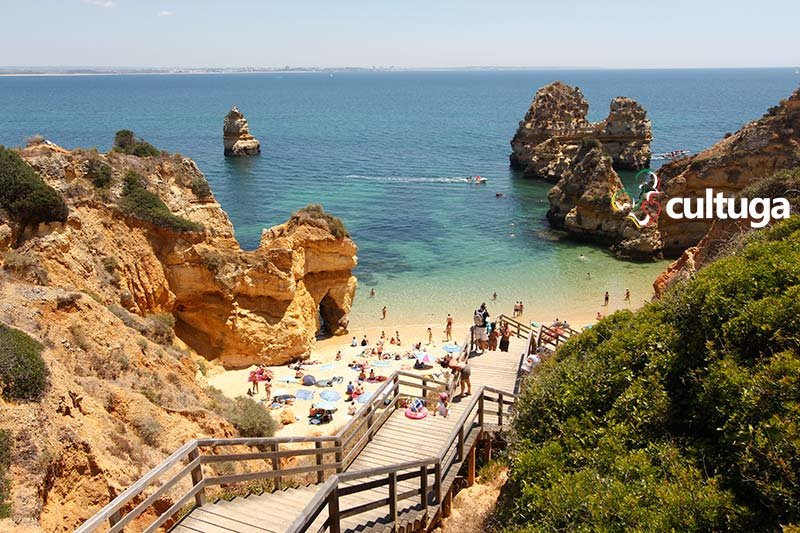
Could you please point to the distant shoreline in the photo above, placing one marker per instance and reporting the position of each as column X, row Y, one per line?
column 10, row 72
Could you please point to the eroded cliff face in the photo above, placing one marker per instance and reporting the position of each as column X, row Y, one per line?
column 238, row 307
column 580, row 203
column 101, row 293
column 548, row 139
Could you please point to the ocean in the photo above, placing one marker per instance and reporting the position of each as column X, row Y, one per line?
column 388, row 153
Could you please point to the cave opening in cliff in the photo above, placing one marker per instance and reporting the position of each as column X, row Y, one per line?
column 329, row 315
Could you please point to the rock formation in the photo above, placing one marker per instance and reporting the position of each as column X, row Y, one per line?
column 581, row 201
column 100, row 293
column 548, row 138
column 236, row 135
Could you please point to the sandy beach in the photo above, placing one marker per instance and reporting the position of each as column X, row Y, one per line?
column 322, row 363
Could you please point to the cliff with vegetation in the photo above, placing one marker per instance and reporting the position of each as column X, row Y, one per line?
column 120, row 277
column 548, row 139
column 682, row 416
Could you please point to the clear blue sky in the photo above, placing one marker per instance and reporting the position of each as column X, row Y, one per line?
column 403, row 33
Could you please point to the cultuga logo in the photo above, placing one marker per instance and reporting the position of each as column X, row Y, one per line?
column 646, row 210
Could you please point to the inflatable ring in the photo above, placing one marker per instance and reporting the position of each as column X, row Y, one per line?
column 417, row 415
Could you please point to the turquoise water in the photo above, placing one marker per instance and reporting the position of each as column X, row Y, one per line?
column 387, row 152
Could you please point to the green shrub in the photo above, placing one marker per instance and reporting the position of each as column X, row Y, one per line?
column 23, row 373
column 5, row 462
column 126, row 142
column 137, row 201
column 148, row 429
column 682, row 416
column 248, row 417
column 99, row 173
column 200, row 188
column 26, row 197
column 160, row 328
column 314, row 215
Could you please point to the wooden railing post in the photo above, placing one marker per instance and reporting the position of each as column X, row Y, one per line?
column 437, row 481
column 320, row 472
column 370, row 419
column 500, row 409
column 340, row 466
column 393, row 497
column 333, row 511
column 276, row 464
column 197, row 477
column 480, row 411
column 423, row 486
column 471, row 467
column 461, row 443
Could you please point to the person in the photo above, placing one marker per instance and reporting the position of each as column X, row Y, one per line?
column 383, row 313
column 253, row 379
column 372, row 293
column 599, row 316
column 530, row 361
column 505, row 336
column 494, row 296
column 364, row 341
column 466, row 372
column 372, row 374
column 588, row 275
column 397, row 336
column 627, row 295
column 493, row 336
column 582, row 257
column 516, row 310
column 448, row 328
column 268, row 388
column 339, row 355
column 430, row 336
column 605, row 299
column 351, row 409
column 362, row 375
column 521, row 308
column 443, row 407
column 354, row 342
column 479, row 332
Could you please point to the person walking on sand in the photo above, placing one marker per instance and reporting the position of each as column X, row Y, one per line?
column 627, row 295
column 605, row 299
column 383, row 313
column 448, row 328
column 430, row 336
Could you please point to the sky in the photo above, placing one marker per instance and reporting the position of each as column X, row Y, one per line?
column 401, row 33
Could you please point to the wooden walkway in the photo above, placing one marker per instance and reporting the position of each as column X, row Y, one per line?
column 381, row 472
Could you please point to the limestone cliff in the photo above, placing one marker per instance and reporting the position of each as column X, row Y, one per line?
column 101, row 293
column 547, row 140
column 236, row 136
column 758, row 150
column 581, row 201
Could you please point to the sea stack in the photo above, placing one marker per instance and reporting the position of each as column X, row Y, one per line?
column 548, row 139
column 236, row 135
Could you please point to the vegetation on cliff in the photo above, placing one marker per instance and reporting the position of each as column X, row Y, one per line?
column 137, row 201
column 314, row 215
column 5, row 462
column 125, row 141
column 23, row 374
column 682, row 416
column 26, row 197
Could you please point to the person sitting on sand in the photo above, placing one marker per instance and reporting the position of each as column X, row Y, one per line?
column 392, row 341
column 339, row 355
column 359, row 390
column 351, row 409
column 362, row 375
column 372, row 374
column 364, row 341
column 298, row 374
column 354, row 342
column 598, row 316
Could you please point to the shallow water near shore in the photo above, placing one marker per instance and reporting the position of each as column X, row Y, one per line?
column 388, row 152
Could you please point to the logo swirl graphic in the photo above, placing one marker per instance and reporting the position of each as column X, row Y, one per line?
column 646, row 209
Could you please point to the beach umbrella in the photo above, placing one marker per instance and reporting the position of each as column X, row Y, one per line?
column 425, row 357
column 330, row 395
column 364, row 398
column 309, row 380
column 451, row 348
column 327, row 406
column 288, row 379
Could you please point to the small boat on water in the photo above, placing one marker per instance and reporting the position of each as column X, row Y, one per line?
column 476, row 179
column 674, row 154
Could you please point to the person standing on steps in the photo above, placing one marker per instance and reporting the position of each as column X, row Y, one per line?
column 505, row 336
column 479, row 333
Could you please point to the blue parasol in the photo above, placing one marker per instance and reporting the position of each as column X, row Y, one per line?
column 451, row 348
column 425, row 357
column 330, row 395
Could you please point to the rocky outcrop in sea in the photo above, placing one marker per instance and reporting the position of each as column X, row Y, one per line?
column 236, row 135
column 547, row 140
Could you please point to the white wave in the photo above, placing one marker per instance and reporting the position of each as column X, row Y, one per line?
column 408, row 179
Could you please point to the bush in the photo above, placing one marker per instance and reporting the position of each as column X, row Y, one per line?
column 148, row 429
column 26, row 197
column 682, row 416
column 314, row 215
column 126, row 142
column 23, row 373
column 200, row 188
column 160, row 328
column 22, row 265
column 99, row 173
column 5, row 462
column 137, row 201
column 249, row 418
